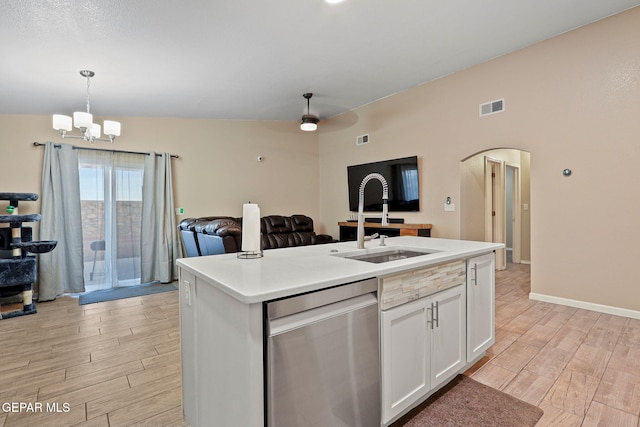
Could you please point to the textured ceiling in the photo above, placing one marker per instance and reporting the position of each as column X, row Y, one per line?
column 253, row 60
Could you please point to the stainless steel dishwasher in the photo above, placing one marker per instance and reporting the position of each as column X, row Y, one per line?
column 322, row 358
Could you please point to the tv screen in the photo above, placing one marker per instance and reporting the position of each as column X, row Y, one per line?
column 402, row 178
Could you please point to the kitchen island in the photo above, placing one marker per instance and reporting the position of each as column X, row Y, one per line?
column 223, row 304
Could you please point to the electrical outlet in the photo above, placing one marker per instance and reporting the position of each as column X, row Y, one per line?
column 451, row 207
column 187, row 293
column 179, row 211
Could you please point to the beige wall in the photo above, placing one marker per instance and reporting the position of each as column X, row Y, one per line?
column 217, row 171
column 571, row 102
column 472, row 200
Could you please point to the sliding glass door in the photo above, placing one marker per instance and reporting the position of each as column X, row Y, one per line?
column 111, row 211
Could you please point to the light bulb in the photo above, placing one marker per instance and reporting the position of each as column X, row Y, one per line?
column 308, row 126
column 82, row 119
column 62, row 122
column 95, row 130
column 111, row 128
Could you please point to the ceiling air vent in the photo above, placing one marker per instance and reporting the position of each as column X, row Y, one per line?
column 362, row 139
column 492, row 107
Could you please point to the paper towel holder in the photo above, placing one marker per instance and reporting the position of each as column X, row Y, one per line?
column 254, row 215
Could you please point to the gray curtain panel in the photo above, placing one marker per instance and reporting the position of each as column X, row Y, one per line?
column 61, row 270
column 159, row 239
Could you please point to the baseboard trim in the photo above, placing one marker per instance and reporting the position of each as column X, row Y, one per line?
column 525, row 261
column 607, row 309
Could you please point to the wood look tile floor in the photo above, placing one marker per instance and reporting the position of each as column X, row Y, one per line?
column 114, row 363
column 581, row 367
column 117, row 363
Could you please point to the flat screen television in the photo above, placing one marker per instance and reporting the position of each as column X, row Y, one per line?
column 402, row 178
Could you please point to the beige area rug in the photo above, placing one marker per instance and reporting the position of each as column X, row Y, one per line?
column 466, row 402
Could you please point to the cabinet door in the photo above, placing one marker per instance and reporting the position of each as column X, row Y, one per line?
column 405, row 356
column 448, row 334
column 480, row 305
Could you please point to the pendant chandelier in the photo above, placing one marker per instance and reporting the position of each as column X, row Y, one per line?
column 84, row 121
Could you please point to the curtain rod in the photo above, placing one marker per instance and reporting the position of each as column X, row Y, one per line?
column 39, row 144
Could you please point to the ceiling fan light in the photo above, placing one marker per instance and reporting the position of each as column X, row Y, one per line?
column 309, row 123
column 308, row 127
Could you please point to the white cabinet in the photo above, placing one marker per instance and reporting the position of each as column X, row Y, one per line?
column 423, row 344
column 448, row 344
column 405, row 356
column 481, row 304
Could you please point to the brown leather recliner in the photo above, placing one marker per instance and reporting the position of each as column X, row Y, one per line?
column 188, row 235
column 222, row 234
column 210, row 235
column 284, row 231
column 219, row 235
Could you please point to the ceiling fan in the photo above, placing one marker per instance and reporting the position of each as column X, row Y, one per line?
column 309, row 122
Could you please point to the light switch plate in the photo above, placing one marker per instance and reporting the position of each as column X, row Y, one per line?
column 451, row 207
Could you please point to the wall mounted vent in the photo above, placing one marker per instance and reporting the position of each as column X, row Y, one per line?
column 362, row 139
column 492, row 107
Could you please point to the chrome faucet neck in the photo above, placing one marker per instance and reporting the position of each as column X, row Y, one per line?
column 385, row 198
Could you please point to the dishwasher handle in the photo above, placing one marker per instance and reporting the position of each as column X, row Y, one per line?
column 311, row 300
column 315, row 315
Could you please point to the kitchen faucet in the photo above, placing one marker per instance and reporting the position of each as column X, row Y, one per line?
column 385, row 207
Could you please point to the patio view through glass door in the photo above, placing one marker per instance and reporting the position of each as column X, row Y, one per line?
column 111, row 204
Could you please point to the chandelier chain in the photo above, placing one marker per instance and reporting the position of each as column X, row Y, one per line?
column 88, row 90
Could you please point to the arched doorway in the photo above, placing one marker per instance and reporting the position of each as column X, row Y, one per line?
column 495, row 204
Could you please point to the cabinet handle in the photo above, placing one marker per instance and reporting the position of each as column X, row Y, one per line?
column 430, row 316
column 437, row 318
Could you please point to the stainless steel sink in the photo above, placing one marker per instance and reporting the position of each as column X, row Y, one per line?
column 387, row 255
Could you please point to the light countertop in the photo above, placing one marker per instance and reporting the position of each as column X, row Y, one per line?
column 289, row 271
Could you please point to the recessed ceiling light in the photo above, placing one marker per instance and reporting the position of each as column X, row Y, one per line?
column 334, row 1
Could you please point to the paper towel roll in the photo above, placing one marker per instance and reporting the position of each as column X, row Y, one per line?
column 250, row 227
